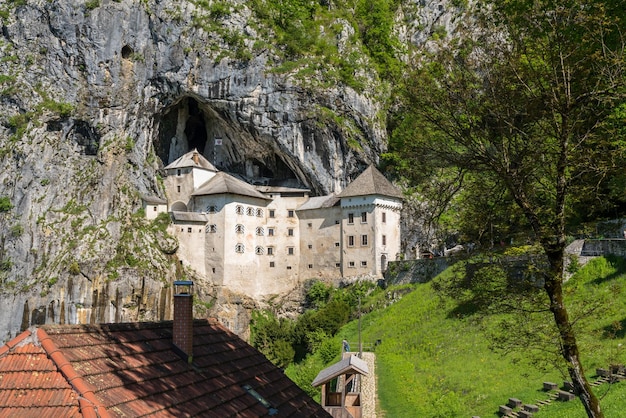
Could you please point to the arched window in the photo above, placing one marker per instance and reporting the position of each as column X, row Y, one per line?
column 212, row 228
column 240, row 248
column 260, row 231
column 239, row 210
column 249, row 211
column 240, row 229
column 259, row 213
column 259, row 250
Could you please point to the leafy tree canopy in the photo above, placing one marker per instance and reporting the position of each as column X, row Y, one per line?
column 522, row 110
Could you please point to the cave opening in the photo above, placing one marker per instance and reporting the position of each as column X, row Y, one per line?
column 195, row 128
column 190, row 124
column 182, row 127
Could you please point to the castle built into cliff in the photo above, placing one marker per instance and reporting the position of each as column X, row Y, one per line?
column 261, row 240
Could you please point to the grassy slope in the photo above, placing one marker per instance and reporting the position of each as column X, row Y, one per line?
column 432, row 365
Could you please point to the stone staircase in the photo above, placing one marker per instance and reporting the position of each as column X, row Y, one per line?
column 515, row 408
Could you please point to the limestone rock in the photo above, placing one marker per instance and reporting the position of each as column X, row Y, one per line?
column 96, row 97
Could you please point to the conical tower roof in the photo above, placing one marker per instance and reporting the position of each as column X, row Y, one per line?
column 371, row 182
column 191, row 159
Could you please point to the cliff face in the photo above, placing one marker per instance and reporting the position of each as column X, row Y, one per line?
column 96, row 96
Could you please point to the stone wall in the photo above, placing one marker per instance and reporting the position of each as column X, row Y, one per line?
column 416, row 271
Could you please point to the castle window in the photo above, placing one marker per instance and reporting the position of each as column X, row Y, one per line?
column 350, row 218
column 290, row 213
column 211, row 228
column 310, row 225
column 239, row 210
column 290, row 232
column 188, row 229
column 154, row 208
column 310, row 266
column 178, row 189
column 178, row 172
column 364, row 240
column 270, row 232
column 240, row 248
column 200, row 230
column 336, row 222
column 240, row 229
column 272, row 264
column 270, row 250
column 310, row 246
column 210, row 209
column 384, row 215
column 259, row 231
column 258, row 250
column 337, row 265
column 363, row 263
column 351, row 264
column 288, row 267
column 350, row 240
column 290, row 250
column 363, row 217
column 384, row 239
column 259, row 212
column 337, row 244
column 272, row 213
column 249, row 211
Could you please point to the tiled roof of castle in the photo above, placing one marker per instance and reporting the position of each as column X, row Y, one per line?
column 318, row 202
column 153, row 200
column 179, row 216
column 131, row 370
column 223, row 183
column 371, row 182
column 187, row 160
column 282, row 189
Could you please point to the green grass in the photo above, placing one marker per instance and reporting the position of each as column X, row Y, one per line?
column 441, row 365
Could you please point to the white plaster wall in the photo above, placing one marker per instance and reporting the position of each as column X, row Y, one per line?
column 321, row 235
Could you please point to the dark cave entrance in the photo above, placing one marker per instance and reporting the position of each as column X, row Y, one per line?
column 195, row 128
column 183, row 127
column 190, row 124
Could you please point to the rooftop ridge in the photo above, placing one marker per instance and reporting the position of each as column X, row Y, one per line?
column 10, row 345
column 89, row 403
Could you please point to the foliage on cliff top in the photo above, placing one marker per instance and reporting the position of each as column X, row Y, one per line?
column 306, row 32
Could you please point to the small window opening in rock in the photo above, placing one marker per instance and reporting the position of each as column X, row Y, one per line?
column 126, row 52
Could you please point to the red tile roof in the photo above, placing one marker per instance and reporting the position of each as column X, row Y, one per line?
column 132, row 370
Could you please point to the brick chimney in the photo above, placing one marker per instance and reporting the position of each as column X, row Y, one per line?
column 182, row 334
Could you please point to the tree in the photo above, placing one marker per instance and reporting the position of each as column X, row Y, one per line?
column 526, row 98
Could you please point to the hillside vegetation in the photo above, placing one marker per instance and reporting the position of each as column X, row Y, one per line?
column 434, row 362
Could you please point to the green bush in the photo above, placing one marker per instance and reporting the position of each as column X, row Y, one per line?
column 318, row 294
column 17, row 230
column 5, row 204
column 74, row 268
column 92, row 4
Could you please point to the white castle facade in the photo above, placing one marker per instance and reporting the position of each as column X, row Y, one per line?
column 265, row 240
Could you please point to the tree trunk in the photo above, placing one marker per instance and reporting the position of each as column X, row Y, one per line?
column 569, row 347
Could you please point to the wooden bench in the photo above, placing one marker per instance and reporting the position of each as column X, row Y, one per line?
column 550, row 386
column 531, row 408
column 504, row 410
column 514, row 403
column 565, row 396
column 603, row 373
